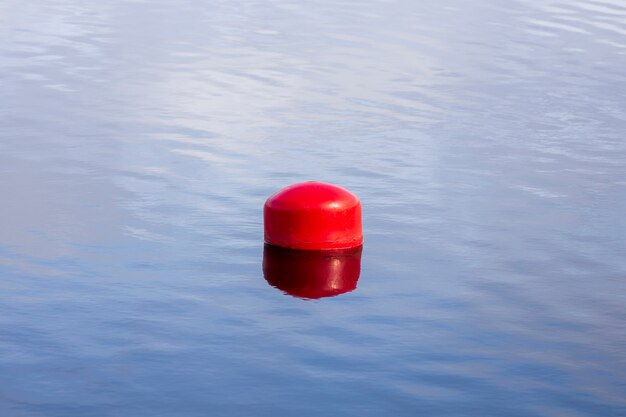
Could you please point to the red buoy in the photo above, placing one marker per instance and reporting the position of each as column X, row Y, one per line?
column 312, row 274
column 313, row 215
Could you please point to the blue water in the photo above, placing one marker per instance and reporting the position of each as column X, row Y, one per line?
column 139, row 140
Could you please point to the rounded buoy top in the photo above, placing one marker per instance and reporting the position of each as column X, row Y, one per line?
column 313, row 215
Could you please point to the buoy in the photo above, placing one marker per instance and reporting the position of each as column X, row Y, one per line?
column 312, row 274
column 313, row 216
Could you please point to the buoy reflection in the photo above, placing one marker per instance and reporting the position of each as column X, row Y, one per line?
column 312, row 274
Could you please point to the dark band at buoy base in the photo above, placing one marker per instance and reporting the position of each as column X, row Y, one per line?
column 313, row 216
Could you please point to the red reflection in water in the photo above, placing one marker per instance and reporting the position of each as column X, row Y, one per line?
column 312, row 274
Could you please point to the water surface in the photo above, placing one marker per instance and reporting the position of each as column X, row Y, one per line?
column 139, row 140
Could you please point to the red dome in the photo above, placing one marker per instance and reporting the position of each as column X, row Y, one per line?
column 313, row 215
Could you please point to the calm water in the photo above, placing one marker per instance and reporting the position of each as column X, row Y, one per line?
column 139, row 140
